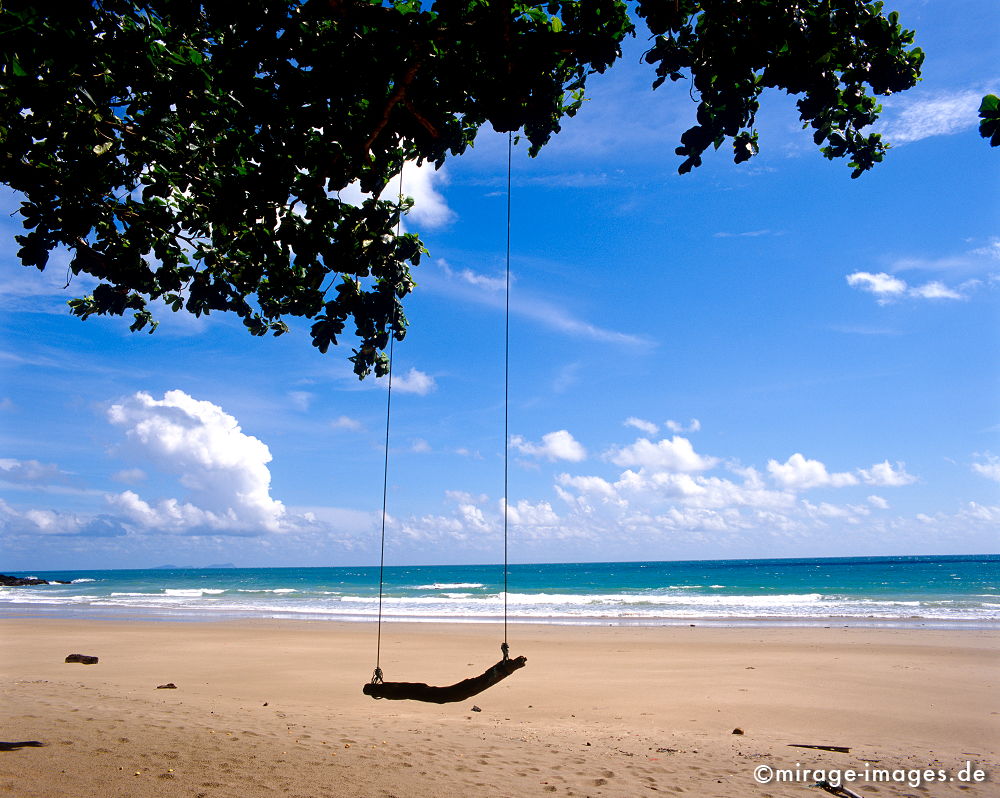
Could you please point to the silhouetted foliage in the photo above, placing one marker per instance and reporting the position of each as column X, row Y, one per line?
column 192, row 154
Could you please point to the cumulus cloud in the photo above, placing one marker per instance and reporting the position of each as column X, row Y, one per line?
column 694, row 425
column 524, row 513
column 558, row 445
column 880, row 284
column 889, row 288
column 800, row 473
column 413, row 381
column 420, row 183
column 649, row 488
column 464, row 497
column 884, row 475
column 850, row 512
column 224, row 469
column 989, row 466
column 642, row 425
column 672, row 454
column 57, row 524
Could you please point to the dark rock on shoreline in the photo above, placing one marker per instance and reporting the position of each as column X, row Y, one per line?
column 83, row 659
column 21, row 581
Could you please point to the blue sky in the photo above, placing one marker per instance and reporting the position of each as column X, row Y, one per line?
column 764, row 360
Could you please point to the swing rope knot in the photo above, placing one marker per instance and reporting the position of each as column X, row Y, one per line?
column 377, row 676
column 505, row 649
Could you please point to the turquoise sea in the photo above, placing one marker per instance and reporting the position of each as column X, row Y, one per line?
column 929, row 590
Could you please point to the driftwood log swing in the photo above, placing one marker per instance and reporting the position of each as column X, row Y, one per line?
column 465, row 689
column 460, row 691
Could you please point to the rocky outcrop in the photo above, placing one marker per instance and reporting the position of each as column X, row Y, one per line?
column 27, row 581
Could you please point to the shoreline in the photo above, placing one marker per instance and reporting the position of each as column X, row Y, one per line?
column 207, row 615
column 264, row 707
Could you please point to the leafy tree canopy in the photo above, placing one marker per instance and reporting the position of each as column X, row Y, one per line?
column 192, row 155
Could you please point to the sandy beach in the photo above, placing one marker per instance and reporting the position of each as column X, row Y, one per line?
column 268, row 708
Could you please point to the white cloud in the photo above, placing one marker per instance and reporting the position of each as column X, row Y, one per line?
column 989, row 468
column 429, row 206
column 888, row 288
column 981, row 259
column 346, row 422
column 224, row 469
column 524, row 513
column 747, row 234
column 463, row 497
column 880, row 284
column 558, row 318
column 35, row 522
column 826, row 510
column 596, row 486
column 990, row 250
column 129, row 476
column 879, row 502
column 29, row 471
column 939, row 114
column 413, row 381
column 566, row 377
column 674, row 454
column 301, row 399
column 935, row 290
column 694, row 425
column 977, row 264
column 697, row 491
column 799, row 473
column 558, row 445
column 884, row 475
column 420, row 446
column 491, row 284
column 642, row 425
column 973, row 511
column 430, row 209
column 486, row 290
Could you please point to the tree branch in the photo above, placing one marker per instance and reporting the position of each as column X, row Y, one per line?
column 394, row 99
column 424, row 121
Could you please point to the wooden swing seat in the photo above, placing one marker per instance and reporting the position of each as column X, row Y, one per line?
column 460, row 691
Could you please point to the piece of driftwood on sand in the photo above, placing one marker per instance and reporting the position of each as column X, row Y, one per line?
column 418, row 691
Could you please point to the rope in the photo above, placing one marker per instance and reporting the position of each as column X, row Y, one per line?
column 377, row 675
column 506, row 401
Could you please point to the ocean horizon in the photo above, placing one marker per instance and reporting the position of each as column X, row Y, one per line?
column 930, row 590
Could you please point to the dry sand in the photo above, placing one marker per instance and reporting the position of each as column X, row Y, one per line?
column 274, row 708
